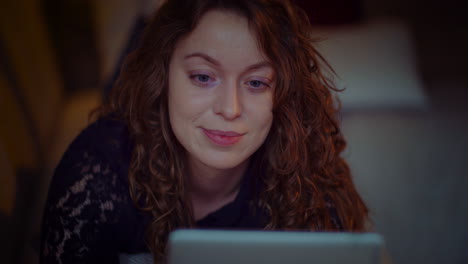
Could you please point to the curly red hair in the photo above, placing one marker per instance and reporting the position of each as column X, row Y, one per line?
column 299, row 163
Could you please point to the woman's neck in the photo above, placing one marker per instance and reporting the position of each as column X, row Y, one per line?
column 211, row 188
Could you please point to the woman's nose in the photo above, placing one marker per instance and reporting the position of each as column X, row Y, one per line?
column 228, row 103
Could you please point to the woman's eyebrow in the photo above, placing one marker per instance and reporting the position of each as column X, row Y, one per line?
column 256, row 66
column 217, row 63
column 203, row 56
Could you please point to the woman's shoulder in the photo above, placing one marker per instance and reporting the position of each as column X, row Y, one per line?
column 98, row 156
column 102, row 147
column 88, row 198
column 106, row 137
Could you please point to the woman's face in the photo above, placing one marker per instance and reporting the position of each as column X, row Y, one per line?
column 220, row 92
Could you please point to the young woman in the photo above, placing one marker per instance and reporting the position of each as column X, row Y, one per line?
column 222, row 118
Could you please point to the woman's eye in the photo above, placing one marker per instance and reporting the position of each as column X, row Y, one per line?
column 202, row 77
column 257, row 85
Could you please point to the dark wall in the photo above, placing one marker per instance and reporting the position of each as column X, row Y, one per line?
column 72, row 30
column 440, row 32
column 332, row 12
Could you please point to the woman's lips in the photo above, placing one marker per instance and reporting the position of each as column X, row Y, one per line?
column 223, row 138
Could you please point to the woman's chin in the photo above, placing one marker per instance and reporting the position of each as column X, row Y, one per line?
column 221, row 162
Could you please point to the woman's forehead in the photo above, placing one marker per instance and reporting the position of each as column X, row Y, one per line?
column 224, row 36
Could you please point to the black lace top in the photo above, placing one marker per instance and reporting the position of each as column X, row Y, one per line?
column 89, row 216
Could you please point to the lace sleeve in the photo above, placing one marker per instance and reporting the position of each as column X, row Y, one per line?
column 84, row 205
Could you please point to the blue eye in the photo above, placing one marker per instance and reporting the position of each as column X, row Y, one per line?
column 202, row 78
column 256, row 83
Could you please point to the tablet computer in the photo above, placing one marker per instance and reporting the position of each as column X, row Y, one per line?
column 273, row 247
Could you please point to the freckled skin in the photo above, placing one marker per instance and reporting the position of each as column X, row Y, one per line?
column 220, row 96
